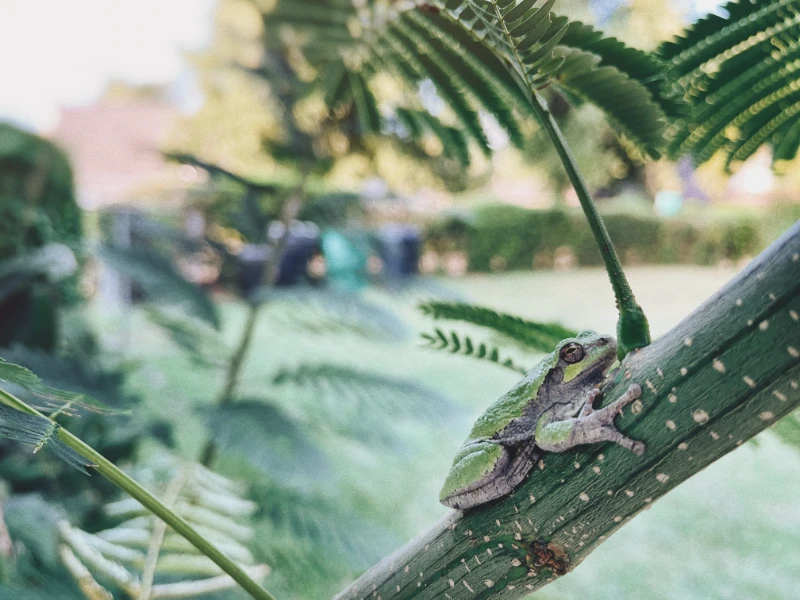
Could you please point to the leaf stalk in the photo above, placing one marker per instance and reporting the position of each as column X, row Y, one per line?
column 633, row 330
column 127, row 484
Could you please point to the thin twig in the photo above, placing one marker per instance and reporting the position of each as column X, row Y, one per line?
column 159, row 531
column 270, row 275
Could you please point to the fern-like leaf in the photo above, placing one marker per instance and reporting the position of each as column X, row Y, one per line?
column 454, row 143
column 408, row 46
column 199, row 341
column 369, row 117
column 645, row 68
column 258, row 431
column 491, row 55
column 313, row 522
column 39, row 432
column 56, row 399
column 140, row 556
column 739, row 73
column 542, row 49
column 456, row 343
column 332, row 311
column 541, row 337
column 361, row 392
column 160, row 279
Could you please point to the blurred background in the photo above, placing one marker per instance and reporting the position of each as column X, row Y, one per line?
column 184, row 238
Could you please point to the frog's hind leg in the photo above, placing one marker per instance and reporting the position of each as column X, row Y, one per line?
column 527, row 455
column 516, row 464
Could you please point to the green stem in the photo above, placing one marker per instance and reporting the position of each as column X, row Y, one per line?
column 116, row 476
column 237, row 359
column 159, row 531
column 232, row 374
column 270, row 275
column 633, row 330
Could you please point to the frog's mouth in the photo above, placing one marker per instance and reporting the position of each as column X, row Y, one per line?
column 596, row 372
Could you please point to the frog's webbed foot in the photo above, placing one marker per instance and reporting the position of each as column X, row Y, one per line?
column 591, row 395
column 591, row 426
column 604, row 420
column 607, row 414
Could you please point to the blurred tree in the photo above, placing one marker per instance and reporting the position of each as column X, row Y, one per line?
column 37, row 207
column 608, row 163
column 273, row 152
column 642, row 23
column 243, row 114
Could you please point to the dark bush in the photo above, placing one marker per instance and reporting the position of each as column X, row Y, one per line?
column 37, row 207
column 499, row 236
column 514, row 236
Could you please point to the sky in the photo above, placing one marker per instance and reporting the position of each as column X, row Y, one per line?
column 705, row 6
column 65, row 52
column 56, row 53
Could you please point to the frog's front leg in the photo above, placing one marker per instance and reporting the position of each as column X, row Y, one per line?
column 590, row 427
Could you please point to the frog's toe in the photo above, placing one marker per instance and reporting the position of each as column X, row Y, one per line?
column 634, row 446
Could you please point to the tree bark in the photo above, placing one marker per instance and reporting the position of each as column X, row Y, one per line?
column 725, row 373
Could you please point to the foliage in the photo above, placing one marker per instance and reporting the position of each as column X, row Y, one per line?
column 270, row 440
column 56, row 400
column 34, row 173
column 456, row 343
column 283, row 441
column 51, row 262
column 788, row 429
column 333, row 311
column 498, row 231
column 37, row 208
column 478, row 56
column 364, row 405
column 38, row 432
column 159, row 279
column 195, row 337
column 500, row 237
column 312, row 521
column 32, row 525
column 738, row 72
column 115, row 434
column 138, row 552
column 542, row 49
column 200, row 541
column 540, row 337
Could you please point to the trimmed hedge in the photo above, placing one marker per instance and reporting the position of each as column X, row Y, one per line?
column 499, row 237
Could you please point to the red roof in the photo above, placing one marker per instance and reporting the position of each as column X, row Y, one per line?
column 114, row 147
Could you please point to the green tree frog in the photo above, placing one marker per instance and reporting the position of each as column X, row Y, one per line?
column 549, row 410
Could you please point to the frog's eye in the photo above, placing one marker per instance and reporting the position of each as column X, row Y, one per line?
column 572, row 353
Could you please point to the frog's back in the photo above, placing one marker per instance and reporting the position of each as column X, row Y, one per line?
column 511, row 406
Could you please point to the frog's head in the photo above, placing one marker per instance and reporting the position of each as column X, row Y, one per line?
column 585, row 357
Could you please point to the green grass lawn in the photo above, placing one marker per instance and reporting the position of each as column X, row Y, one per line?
column 732, row 531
